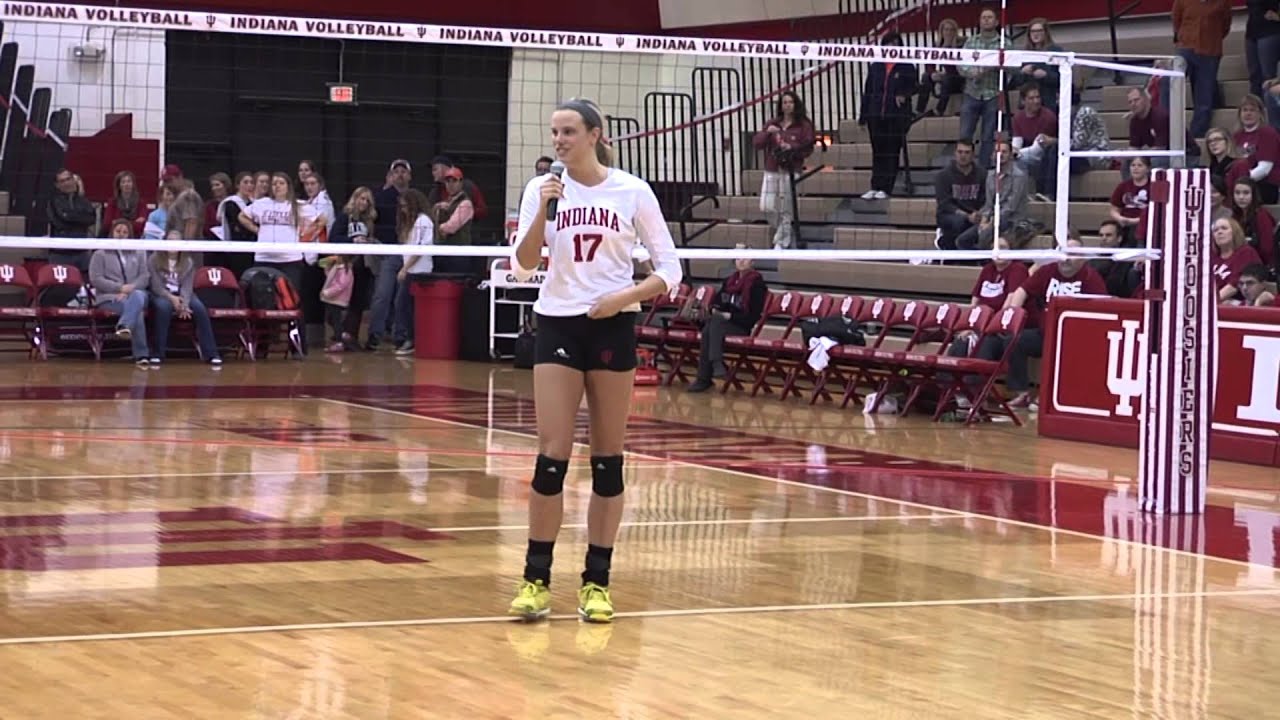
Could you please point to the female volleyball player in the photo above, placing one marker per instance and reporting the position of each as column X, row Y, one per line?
column 586, row 313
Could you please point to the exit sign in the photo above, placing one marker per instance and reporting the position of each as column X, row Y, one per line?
column 342, row 94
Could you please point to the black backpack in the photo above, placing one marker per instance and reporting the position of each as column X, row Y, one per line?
column 267, row 288
column 841, row 329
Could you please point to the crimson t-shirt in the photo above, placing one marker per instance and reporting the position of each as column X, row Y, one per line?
column 1030, row 127
column 994, row 285
column 1227, row 272
column 1048, row 282
column 1260, row 144
column 1132, row 200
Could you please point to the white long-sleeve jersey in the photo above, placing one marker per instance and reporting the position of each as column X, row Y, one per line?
column 591, row 241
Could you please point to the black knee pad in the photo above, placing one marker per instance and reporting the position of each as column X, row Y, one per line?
column 548, row 475
column 606, row 476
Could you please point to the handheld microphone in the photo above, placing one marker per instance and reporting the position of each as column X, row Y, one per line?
column 557, row 169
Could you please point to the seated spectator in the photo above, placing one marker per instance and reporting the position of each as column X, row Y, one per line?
column 158, row 219
column 1035, row 141
column 735, row 311
column 71, row 215
column 1257, row 222
column 1148, row 125
column 1259, row 146
column 998, row 279
column 1044, row 75
column 1218, row 205
column 1129, row 202
column 453, row 217
column 941, row 81
column 172, row 293
column 1013, row 204
column 125, row 202
column 120, row 279
column 961, row 191
column 1256, row 286
column 219, row 188
column 1231, row 256
column 1219, row 153
column 1198, row 28
column 1072, row 276
column 1088, row 132
column 786, row 142
column 886, row 113
column 1120, row 277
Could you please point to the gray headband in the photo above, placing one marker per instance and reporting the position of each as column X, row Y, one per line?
column 587, row 112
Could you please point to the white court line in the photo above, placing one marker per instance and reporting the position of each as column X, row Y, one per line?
column 686, row 612
column 723, row 521
column 851, row 493
column 250, row 473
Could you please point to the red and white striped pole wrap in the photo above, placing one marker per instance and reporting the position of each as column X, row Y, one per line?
column 1181, row 325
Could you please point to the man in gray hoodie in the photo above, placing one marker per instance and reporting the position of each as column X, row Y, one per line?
column 120, row 279
column 1014, row 187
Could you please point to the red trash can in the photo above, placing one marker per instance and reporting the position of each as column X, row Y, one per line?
column 437, row 309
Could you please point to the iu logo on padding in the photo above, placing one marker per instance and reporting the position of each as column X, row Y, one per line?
column 1126, row 365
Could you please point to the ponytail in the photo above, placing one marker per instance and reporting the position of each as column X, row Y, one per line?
column 604, row 153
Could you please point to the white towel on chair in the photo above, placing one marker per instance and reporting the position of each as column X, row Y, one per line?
column 818, row 347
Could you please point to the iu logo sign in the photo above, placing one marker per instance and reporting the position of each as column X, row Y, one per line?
column 60, row 273
column 6, row 273
column 214, row 275
column 1126, row 365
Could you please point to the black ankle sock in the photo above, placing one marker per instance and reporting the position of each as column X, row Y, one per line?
column 598, row 561
column 537, row 561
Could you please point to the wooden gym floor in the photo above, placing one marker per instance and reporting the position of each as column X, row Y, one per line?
column 339, row 538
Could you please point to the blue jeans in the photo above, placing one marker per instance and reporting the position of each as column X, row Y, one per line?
column 402, row 326
column 1045, row 171
column 1262, row 56
column 131, row 316
column 1202, row 71
column 385, row 294
column 163, row 310
column 970, row 111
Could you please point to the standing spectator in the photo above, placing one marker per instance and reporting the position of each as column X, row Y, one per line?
column 1262, row 42
column 982, row 88
column 1219, row 152
column 440, row 166
column 262, row 185
column 125, row 202
column 961, row 191
column 1259, row 146
column 453, row 217
column 120, row 280
column 941, row 81
column 1044, row 75
column 71, row 215
column 229, row 212
column 387, row 203
column 414, row 226
column 355, row 224
column 1256, row 221
column 1130, row 199
column 1035, row 141
column 786, row 141
column 1199, row 27
column 158, row 219
column 886, row 112
column 172, row 293
column 542, row 166
column 277, row 219
column 1010, row 184
column 306, row 169
column 186, row 213
column 317, row 213
column 735, row 311
column 219, row 188
column 1231, row 256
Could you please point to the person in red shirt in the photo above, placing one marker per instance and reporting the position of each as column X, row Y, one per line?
column 1072, row 276
column 787, row 141
column 125, row 203
column 1035, row 140
column 1232, row 256
column 1257, row 222
column 1129, row 202
column 998, row 279
column 1259, row 146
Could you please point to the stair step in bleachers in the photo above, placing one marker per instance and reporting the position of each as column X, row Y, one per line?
column 929, row 130
column 725, row 235
column 858, row 155
column 747, row 208
column 1118, row 122
column 1115, row 98
column 826, row 182
column 4, row 202
column 864, row 238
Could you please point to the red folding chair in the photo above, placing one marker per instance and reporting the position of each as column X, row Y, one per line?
column 652, row 330
column 60, row 318
column 777, row 351
column 219, row 291
column 922, row 367
column 684, row 331
column 1005, row 325
column 740, row 350
column 17, row 306
column 796, row 352
column 848, row 363
column 934, row 328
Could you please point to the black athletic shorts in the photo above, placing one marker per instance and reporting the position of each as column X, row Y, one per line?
column 585, row 344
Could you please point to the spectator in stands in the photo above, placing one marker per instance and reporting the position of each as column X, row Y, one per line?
column 219, row 187
column 158, row 219
column 961, row 191
column 262, row 185
column 356, row 224
column 414, row 226
column 317, row 211
column 1219, row 152
column 1044, row 75
column 1199, row 27
column 387, row 203
column 941, row 81
column 278, row 219
column 1262, row 42
column 170, row 173
column 1120, row 277
column 229, row 212
column 542, row 166
column 440, row 167
column 1088, row 132
column 1258, row 223
column 186, row 213
column 1259, row 146
column 1130, row 199
column 1256, row 286
column 1013, row 189
column 1072, row 276
column 126, row 203
column 306, row 169
column 120, row 279
column 453, row 216
column 1035, row 141
column 1148, row 126
column 735, row 311
column 1231, row 256
column 787, row 141
column 172, row 277
column 71, row 215
column 982, row 88
column 1218, row 206
column 998, row 279
column 886, row 113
